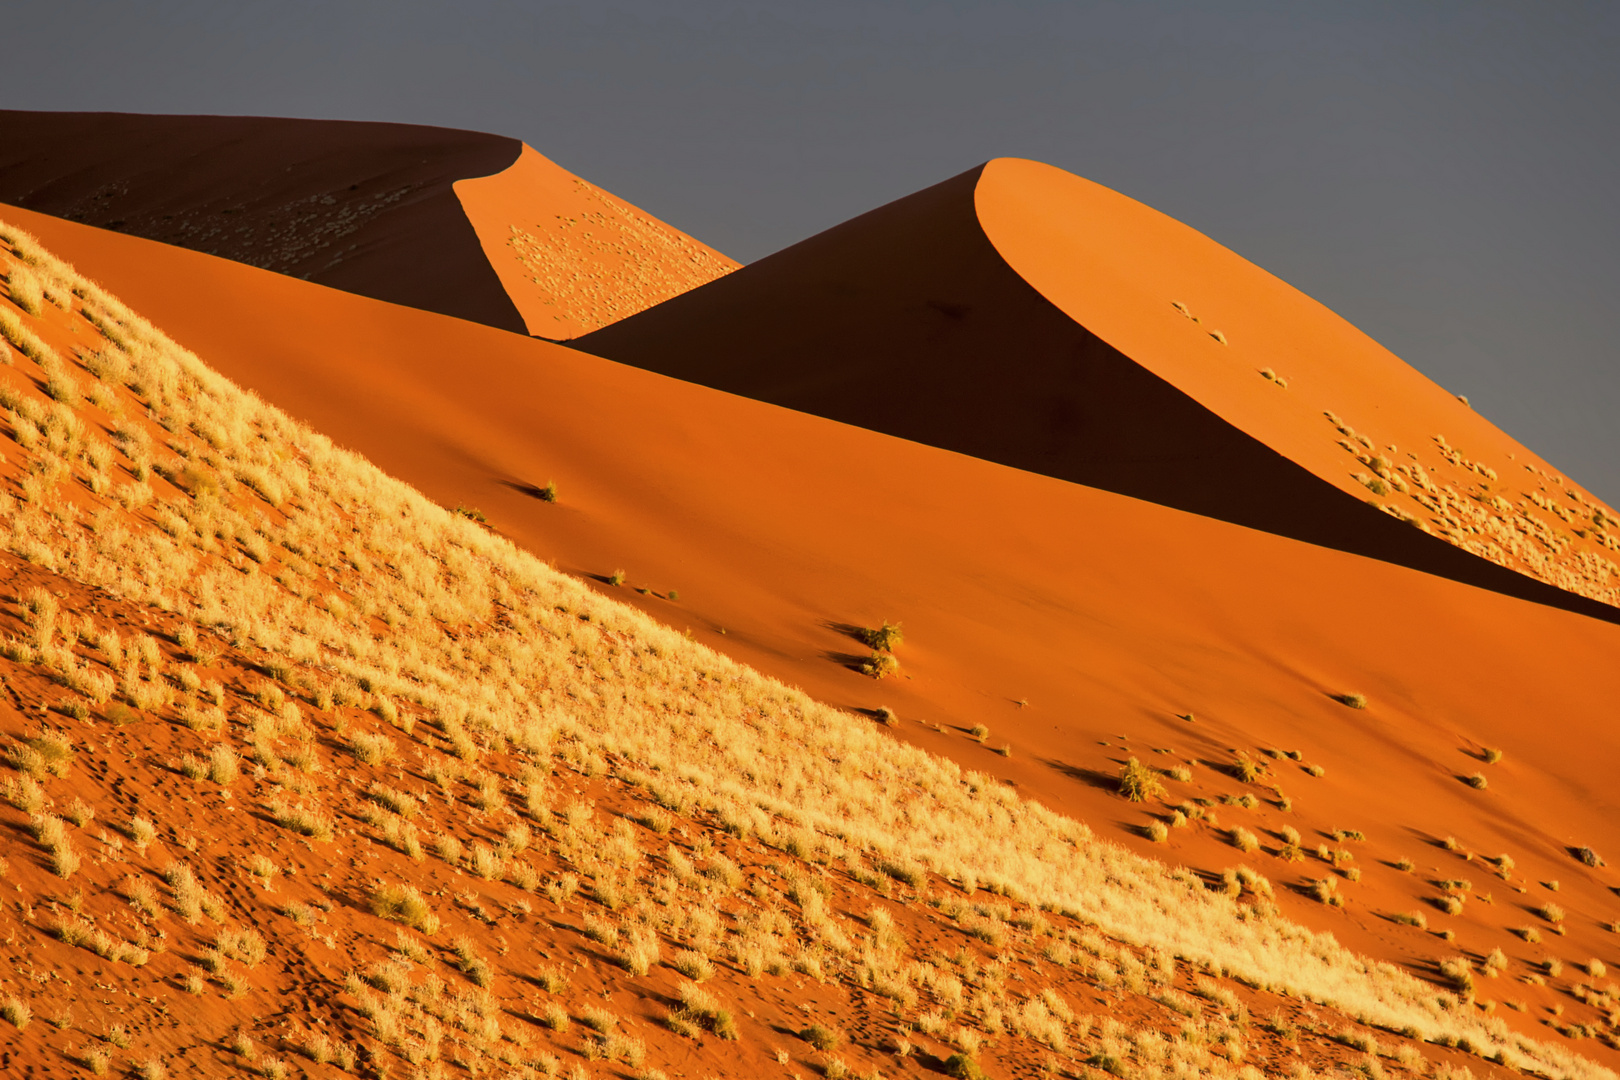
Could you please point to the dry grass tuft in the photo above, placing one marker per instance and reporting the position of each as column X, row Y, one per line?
column 1138, row 783
column 487, row 643
column 16, row 1013
column 403, row 904
column 880, row 665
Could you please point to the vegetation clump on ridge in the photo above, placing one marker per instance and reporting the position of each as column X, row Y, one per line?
column 353, row 589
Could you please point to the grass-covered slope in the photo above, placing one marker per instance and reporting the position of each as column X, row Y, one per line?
column 287, row 730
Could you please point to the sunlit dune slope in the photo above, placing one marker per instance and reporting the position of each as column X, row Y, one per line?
column 1075, row 624
column 462, row 223
column 305, row 773
column 1026, row 316
column 571, row 256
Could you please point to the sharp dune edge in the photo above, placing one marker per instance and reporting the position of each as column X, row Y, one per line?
column 574, row 258
column 475, row 226
column 1026, row 316
column 296, row 586
column 1422, row 652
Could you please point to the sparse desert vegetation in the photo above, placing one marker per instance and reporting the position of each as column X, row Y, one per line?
column 589, row 782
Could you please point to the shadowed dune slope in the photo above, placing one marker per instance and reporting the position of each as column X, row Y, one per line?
column 1075, row 624
column 367, row 208
column 396, row 794
column 1023, row 315
column 476, row 226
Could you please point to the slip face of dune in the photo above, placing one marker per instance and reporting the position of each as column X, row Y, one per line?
column 1021, row 315
column 574, row 258
column 1078, row 627
column 1296, row 377
column 357, row 206
column 475, row 226
column 395, row 793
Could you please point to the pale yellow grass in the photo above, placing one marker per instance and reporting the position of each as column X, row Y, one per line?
column 545, row 666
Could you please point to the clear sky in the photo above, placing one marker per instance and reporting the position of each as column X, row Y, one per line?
column 1445, row 175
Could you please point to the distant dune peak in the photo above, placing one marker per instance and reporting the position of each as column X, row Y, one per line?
column 1025, row 315
column 573, row 257
column 476, row 226
column 1292, row 374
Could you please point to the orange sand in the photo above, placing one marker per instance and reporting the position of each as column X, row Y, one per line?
column 1026, row 316
column 1075, row 623
column 571, row 256
column 466, row 224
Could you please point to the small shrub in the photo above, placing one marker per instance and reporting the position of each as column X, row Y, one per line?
column 246, row 946
column 16, row 1013
column 371, row 749
column 141, row 833
column 616, row 578
column 1492, row 755
column 1411, row 918
column 699, row 1009
column 25, row 290
column 822, row 1037
column 885, row 638
column 694, row 965
column 222, row 765
column 880, row 665
column 1460, row 973
column 1476, row 781
column 1354, row 701
column 306, row 821
column 1138, row 783
column 79, row 812
column 403, row 904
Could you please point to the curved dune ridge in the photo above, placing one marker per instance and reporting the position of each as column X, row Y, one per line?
column 1078, row 626
column 422, row 651
column 1026, row 316
column 574, row 258
column 476, row 226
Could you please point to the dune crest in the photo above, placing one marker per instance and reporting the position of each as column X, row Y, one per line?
column 574, row 258
column 1020, row 314
column 476, row 226
column 424, row 724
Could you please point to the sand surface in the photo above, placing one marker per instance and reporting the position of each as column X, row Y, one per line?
column 1074, row 623
column 574, row 258
column 476, row 226
column 1026, row 316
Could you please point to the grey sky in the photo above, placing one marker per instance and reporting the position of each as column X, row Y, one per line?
column 1442, row 174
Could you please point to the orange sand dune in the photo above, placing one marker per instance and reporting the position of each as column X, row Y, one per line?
column 571, row 256
column 466, row 224
column 1074, row 623
column 1029, row 317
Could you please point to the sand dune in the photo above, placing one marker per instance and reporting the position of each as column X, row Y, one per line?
column 571, row 256
column 227, row 642
column 1029, row 317
column 462, row 223
column 1076, row 624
